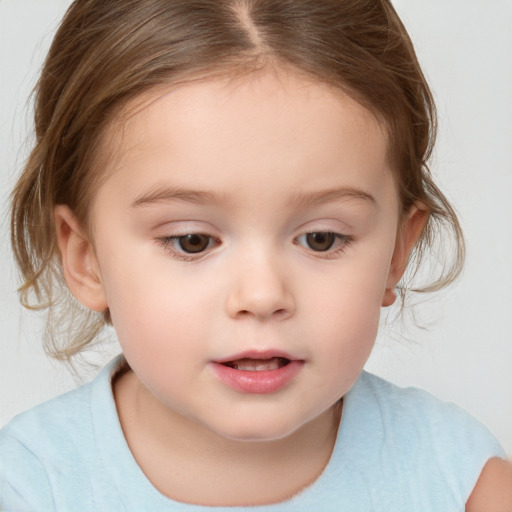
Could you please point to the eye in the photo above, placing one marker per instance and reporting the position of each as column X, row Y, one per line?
column 191, row 244
column 323, row 241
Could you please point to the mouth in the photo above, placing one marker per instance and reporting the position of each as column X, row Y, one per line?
column 257, row 372
column 257, row 365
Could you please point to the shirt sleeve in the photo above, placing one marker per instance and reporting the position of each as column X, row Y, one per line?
column 24, row 485
column 462, row 450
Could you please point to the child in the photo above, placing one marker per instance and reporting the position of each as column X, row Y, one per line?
column 237, row 187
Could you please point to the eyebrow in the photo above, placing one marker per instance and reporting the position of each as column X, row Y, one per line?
column 169, row 193
column 309, row 199
column 301, row 199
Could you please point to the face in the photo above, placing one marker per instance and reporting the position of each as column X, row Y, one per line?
column 244, row 241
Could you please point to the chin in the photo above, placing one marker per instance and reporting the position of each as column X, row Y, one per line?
column 255, row 436
column 257, row 430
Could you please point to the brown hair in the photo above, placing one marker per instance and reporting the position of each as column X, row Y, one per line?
column 107, row 52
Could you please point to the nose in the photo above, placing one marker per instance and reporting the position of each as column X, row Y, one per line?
column 260, row 289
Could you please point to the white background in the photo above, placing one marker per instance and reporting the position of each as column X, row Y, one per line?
column 465, row 355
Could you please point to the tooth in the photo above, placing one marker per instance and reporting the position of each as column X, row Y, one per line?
column 256, row 365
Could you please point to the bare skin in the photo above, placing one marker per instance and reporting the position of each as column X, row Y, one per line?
column 252, row 169
column 493, row 491
column 228, row 473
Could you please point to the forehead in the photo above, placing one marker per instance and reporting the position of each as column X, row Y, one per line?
column 236, row 131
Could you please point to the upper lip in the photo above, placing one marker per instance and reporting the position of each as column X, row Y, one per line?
column 257, row 354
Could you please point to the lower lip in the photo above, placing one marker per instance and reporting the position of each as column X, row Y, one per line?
column 263, row 382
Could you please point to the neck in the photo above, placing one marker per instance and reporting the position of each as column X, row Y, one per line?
column 190, row 463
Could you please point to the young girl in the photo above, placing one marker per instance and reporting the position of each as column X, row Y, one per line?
column 237, row 187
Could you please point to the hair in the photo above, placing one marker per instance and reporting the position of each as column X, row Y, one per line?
column 108, row 52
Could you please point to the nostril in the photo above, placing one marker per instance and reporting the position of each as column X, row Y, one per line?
column 277, row 313
column 281, row 314
column 253, row 302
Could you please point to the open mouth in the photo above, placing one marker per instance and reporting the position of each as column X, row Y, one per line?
column 258, row 365
column 258, row 372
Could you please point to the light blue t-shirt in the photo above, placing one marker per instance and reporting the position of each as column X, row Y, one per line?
column 398, row 450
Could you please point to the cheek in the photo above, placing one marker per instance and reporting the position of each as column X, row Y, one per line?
column 157, row 310
column 351, row 292
column 344, row 308
column 350, row 332
column 151, row 312
column 159, row 333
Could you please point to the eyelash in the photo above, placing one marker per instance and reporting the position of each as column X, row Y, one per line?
column 169, row 244
column 342, row 241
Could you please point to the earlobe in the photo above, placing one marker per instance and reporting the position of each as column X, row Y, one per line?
column 79, row 264
column 409, row 233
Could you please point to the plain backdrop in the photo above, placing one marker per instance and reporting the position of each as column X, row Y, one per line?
column 463, row 353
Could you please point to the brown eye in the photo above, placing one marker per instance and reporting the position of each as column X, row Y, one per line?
column 320, row 241
column 193, row 243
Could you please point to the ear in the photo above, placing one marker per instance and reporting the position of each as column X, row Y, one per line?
column 79, row 263
column 408, row 234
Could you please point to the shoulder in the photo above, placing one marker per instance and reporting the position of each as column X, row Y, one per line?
column 433, row 442
column 47, row 429
column 409, row 407
column 60, row 421
column 50, row 425
column 32, row 446
column 24, row 482
column 50, row 442
column 493, row 491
